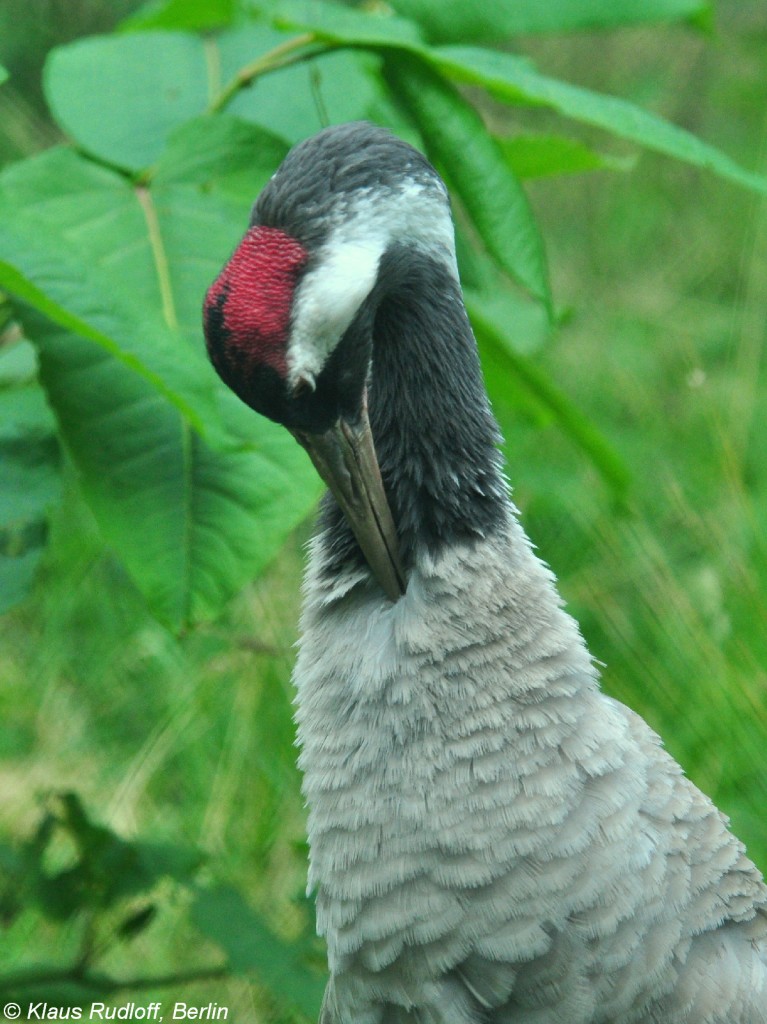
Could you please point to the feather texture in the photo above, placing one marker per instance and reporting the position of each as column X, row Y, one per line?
column 494, row 839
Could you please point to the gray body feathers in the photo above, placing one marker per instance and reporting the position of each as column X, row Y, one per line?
column 492, row 838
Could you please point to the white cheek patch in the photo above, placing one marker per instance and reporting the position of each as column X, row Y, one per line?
column 326, row 302
column 329, row 296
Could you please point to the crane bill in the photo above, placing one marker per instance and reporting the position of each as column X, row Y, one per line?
column 345, row 458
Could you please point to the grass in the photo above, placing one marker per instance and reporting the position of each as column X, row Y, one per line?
column 663, row 272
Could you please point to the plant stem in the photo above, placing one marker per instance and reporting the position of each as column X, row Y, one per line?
column 160, row 256
column 103, row 982
column 281, row 56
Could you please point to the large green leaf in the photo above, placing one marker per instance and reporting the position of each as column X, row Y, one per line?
column 253, row 948
column 191, row 524
column 515, row 80
column 120, row 97
column 127, row 267
column 467, row 20
column 75, row 243
column 474, row 166
column 81, row 302
column 3, row 74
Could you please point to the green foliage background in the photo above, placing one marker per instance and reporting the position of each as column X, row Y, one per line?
column 151, row 529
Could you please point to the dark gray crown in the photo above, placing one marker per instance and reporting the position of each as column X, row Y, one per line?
column 320, row 176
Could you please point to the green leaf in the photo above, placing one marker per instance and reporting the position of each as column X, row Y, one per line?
column 523, row 323
column 3, row 74
column 29, row 468
column 194, row 15
column 253, row 948
column 223, row 154
column 336, row 23
column 474, row 167
column 76, row 244
column 469, row 21
column 155, row 250
column 192, row 525
column 169, row 860
column 295, row 101
column 30, row 457
column 515, row 80
column 108, row 869
column 119, row 97
column 538, row 156
column 63, row 286
column 567, row 416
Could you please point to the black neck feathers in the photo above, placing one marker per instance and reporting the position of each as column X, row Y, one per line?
column 435, row 436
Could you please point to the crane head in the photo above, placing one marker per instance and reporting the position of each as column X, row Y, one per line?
column 289, row 321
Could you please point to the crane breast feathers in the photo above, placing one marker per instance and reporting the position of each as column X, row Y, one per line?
column 577, row 841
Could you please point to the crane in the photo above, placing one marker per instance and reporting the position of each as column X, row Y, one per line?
column 493, row 839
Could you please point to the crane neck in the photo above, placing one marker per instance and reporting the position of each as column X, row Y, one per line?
column 435, row 436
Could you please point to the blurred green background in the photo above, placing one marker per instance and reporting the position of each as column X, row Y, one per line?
column 660, row 275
